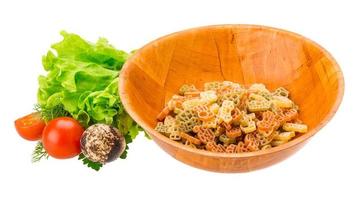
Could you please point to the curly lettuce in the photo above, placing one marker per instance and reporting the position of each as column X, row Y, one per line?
column 83, row 78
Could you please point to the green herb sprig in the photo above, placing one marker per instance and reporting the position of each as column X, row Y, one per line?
column 39, row 153
column 49, row 113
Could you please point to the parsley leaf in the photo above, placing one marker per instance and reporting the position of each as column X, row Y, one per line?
column 128, row 140
column 94, row 165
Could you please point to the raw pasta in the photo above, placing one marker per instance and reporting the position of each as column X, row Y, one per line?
column 225, row 111
column 187, row 88
column 301, row 128
column 227, row 117
column 259, row 105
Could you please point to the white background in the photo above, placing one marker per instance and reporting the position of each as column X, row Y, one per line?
column 328, row 167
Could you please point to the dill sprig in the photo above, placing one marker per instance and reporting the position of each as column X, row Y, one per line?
column 39, row 153
column 49, row 113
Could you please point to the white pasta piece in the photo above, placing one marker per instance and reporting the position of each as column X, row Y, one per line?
column 251, row 126
column 191, row 103
column 231, row 84
column 214, row 108
column 252, row 116
column 254, row 96
column 225, row 111
column 246, row 118
column 247, row 124
column 285, row 136
column 225, row 118
column 301, row 128
column 177, row 110
column 209, row 96
column 174, row 102
column 258, row 105
column 175, row 136
column 228, row 83
column 169, row 120
column 275, row 143
column 282, row 102
column 267, row 146
column 258, row 87
column 234, row 87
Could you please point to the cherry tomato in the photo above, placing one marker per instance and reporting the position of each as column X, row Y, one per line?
column 61, row 137
column 30, row 127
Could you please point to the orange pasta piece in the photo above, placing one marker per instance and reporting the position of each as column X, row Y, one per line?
column 205, row 135
column 234, row 132
column 251, row 142
column 268, row 122
column 254, row 146
column 232, row 148
column 284, row 116
column 241, row 147
column 236, row 115
column 249, row 138
column 213, row 147
column 242, row 106
column 203, row 112
column 189, row 138
column 161, row 116
column 226, row 125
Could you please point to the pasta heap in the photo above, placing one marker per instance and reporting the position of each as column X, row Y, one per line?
column 227, row 117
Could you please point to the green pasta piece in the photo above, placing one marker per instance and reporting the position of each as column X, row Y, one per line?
column 281, row 91
column 162, row 128
column 186, row 120
column 231, row 96
column 215, row 85
column 226, row 140
column 267, row 95
column 258, row 105
column 187, row 88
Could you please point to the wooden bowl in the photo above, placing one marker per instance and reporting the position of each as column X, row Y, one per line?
column 244, row 54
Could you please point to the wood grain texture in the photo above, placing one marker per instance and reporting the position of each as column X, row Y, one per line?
column 241, row 53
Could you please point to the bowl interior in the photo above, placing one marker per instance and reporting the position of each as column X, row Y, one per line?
column 240, row 53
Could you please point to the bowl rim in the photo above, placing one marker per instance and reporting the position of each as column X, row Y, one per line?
column 304, row 137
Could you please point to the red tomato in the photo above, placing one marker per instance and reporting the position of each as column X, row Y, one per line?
column 61, row 137
column 30, row 127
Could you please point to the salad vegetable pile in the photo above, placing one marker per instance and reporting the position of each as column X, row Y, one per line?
column 78, row 95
